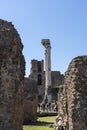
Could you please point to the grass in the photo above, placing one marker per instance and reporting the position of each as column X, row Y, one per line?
column 41, row 124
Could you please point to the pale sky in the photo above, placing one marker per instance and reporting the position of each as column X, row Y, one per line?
column 64, row 22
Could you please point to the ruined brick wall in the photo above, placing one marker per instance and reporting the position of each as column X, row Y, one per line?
column 37, row 69
column 30, row 100
column 11, row 78
column 37, row 74
column 75, row 95
column 57, row 78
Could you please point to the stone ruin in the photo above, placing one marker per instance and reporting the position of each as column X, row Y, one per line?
column 60, row 99
column 37, row 73
column 30, row 101
column 11, row 78
column 73, row 102
column 15, row 99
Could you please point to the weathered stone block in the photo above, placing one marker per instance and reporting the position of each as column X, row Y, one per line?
column 12, row 68
column 75, row 95
column 30, row 100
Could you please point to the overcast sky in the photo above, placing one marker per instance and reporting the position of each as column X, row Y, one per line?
column 64, row 22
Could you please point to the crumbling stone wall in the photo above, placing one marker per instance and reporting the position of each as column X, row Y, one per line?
column 11, row 78
column 38, row 74
column 57, row 78
column 60, row 99
column 75, row 95
column 30, row 100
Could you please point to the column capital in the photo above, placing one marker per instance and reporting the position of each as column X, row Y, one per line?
column 46, row 43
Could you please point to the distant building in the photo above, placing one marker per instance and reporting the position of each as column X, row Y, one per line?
column 37, row 73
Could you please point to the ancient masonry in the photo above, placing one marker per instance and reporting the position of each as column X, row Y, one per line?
column 46, row 44
column 37, row 73
column 74, row 98
column 11, row 78
column 30, row 101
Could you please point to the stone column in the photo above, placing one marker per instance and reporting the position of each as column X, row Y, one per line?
column 46, row 44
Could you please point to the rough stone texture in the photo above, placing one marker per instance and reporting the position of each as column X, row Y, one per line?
column 60, row 99
column 75, row 95
column 30, row 101
column 11, row 78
